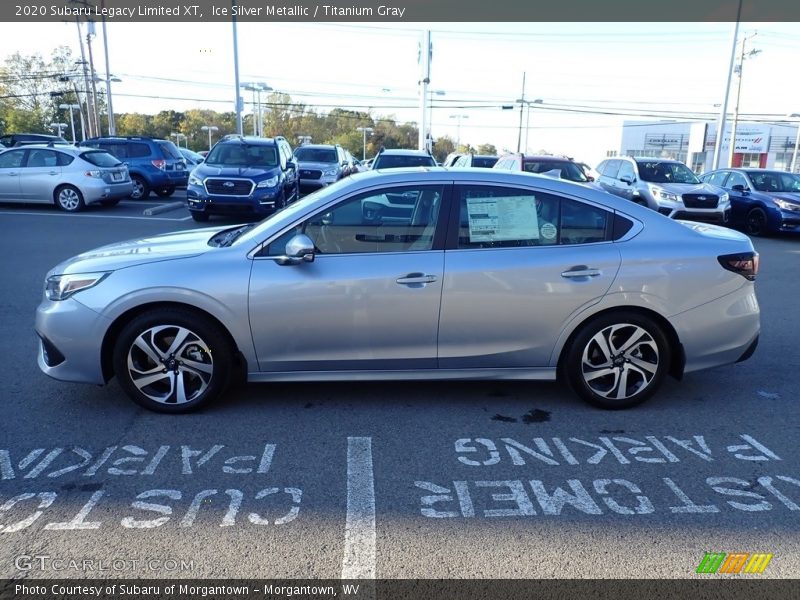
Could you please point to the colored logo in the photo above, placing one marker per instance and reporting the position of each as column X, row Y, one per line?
column 734, row 563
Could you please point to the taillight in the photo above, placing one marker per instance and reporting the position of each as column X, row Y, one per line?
column 744, row 264
column 159, row 163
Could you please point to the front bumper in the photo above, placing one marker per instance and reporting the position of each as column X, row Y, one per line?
column 70, row 341
column 262, row 201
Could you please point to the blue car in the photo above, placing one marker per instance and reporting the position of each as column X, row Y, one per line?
column 762, row 201
column 243, row 176
column 154, row 164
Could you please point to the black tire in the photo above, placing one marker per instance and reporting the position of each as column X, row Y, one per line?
column 109, row 202
column 644, row 364
column 200, row 217
column 68, row 198
column 140, row 188
column 165, row 192
column 755, row 223
column 205, row 344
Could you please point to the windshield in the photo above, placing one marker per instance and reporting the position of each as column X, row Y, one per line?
column 242, row 155
column 100, row 158
column 320, row 155
column 774, row 181
column 569, row 170
column 665, row 172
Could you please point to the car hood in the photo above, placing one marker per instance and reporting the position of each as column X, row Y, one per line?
column 790, row 196
column 691, row 188
column 167, row 246
column 204, row 170
column 322, row 166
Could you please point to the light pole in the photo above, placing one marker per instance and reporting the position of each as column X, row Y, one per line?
column 796, row 142
column 365, row 131
column 178, row 137
column 60, row 127
column 209, row 129
column 432, row 93
column 738, row 69
column 112, row 128
column 257, row 87
column 71, row 107
column 458, row 128
column 528, row 116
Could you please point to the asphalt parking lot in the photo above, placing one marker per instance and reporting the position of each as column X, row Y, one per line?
column 403, row 480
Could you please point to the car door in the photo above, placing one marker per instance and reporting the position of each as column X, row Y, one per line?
column 625, row 182
column 739, row 191
column 608, row 176
column 11, row 162
column 40, row 176
column 519, row 265
column 370, row 299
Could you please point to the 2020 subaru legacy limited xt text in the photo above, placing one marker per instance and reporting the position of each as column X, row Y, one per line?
column 410, row 274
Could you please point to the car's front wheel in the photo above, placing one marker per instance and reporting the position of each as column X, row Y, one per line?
column 756, row 222
column 69, row 198
column 618, row 360
column 172, row 360
column 165, row 192
column 199, row 217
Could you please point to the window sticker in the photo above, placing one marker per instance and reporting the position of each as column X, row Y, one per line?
column 502, row 218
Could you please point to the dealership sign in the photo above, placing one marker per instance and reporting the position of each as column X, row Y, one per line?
column 749, row 139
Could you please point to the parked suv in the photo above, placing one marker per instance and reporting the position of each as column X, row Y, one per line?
column 155, row 165
column 484, row 161
column 565, row 167
column 320, row 165
column 243, row 176
column 12, row 140
column 665, row 185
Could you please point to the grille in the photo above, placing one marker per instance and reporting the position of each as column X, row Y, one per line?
column 700, row 200
column 229, row 187
column 310, row 173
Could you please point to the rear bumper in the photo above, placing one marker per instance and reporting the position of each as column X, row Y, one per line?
column 100, row 190
column 721, row 332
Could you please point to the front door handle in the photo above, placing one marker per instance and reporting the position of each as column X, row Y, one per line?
column 53, row 172
column 416, row 278
column 581, row 271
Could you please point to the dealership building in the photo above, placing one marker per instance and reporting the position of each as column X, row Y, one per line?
column 764, row 145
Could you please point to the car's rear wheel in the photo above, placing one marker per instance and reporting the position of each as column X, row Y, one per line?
column 140, row 187
column 618, row 360
column 69, row 198
column 165, row 192
column 756, row 222
column 172, row 360
column 200, row 217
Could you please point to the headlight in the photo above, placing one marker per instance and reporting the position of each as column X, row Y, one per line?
column 723, row 198
column 194, row 180
column 330, row 172
column 61, row 287
column 660, row 194
column 786, row 205
column 271, row 182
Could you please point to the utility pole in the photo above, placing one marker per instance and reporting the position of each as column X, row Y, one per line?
column 236, row 84
column 723, row 113
column 425, row 79
column 521, row 107
column 112, row 126
column 95, row 109
column 84, row 63
column 732, row 149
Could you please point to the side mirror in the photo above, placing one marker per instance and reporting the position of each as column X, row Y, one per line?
column 290, row 164
column 299, row 249
column 739, row 188
column 627, row 180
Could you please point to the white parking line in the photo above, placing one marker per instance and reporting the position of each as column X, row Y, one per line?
column 359, row 534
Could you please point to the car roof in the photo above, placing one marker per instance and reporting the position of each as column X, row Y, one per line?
column 651, row 159
column 248, row 139
column 317, row 146
column 403, row 152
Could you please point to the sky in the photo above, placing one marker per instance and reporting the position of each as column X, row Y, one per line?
column 587, row 75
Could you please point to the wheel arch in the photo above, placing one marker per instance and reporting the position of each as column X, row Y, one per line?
column 678, row 360
column 116, row 327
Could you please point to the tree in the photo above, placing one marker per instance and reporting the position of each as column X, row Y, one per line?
column 487, row 149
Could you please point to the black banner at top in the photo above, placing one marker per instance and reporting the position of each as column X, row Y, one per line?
column 410, row 11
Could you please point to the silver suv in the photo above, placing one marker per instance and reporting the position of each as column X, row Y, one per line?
column 665, row 185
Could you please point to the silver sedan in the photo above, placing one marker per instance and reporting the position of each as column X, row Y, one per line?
column 411, row 274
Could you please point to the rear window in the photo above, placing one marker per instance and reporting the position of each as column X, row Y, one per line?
column 569, row 170
column 100, row 158
column 170, row 150
column 322, row 155
column 487, row 162
column 396, row 162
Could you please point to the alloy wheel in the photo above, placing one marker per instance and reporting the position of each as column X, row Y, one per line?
column 620, row 361
column 170, row 364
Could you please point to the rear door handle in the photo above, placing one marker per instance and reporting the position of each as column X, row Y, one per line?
column 581, row 271
column 416, row 278
column 53, row 172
